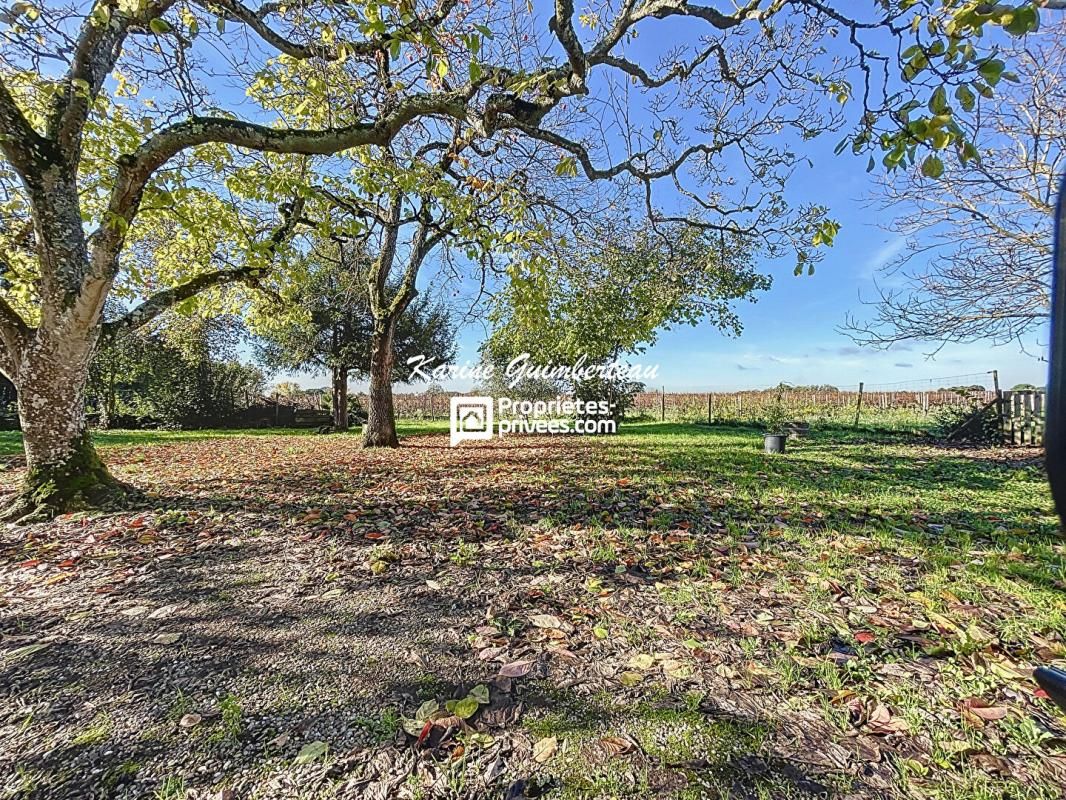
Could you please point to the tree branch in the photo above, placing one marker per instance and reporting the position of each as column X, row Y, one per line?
column 14, row 333
column 136, row 169
column 256, row 20
column 562, row 25
column 168, row 298
column 97, row 48
column 23, row 147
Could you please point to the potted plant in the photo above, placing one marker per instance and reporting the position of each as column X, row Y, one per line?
column 774, row 420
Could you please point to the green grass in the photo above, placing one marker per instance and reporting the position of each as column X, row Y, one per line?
column 97, row 732
column 846, row 534
column 11, row 441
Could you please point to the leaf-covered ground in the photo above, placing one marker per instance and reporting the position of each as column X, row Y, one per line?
column 667, row 613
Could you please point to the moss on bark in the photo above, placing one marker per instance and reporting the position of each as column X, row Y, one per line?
column 80, row 482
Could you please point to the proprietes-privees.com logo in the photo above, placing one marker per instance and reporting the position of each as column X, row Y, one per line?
column 475, row 418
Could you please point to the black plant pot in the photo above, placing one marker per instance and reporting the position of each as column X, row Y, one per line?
column 774, row 442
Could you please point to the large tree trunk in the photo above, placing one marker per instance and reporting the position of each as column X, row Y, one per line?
column 63, row 471
column 340, row 398
column 381, row 420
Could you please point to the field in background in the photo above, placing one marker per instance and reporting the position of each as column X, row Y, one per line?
column 11, row 441
column 919, row 411
column 893, row 410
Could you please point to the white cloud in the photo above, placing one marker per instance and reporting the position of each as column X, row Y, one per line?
column 883, row 256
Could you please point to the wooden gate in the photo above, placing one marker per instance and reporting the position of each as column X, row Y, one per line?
column 1022, row 415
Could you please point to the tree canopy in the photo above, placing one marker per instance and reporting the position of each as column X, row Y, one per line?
column 614, row 289
column 325, row 321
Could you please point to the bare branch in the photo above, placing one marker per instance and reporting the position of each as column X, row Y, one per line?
column 562, row 25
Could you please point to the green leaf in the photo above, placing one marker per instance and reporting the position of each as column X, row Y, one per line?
column 466, row 708
column 1023, row 20
column 630, row 678
column 992, row 71
column 413, row 726
column 311, row 751
column 567, row 167
column 932, row 167
column 480, row 693
column 427, row 710
column 966, row 98
column 159, row 26
column 938, row 103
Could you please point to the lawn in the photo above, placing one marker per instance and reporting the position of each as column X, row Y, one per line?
column 11, row 441
column 665, row 613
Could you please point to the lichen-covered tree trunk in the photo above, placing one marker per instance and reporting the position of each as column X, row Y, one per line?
column 49, row 364
column 63, row 471
column 381, row 419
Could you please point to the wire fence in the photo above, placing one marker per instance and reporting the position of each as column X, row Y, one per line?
column 750, row 407
column 913, row 403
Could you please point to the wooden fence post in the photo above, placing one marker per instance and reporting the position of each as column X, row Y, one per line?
column 999, row 403
column 662, row 405
column 858, row 405
column 710, row 408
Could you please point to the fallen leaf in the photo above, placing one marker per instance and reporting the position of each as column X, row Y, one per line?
column 466, row 708
column 427, row 710
column 642, row 661
column 630, row 678
column 516, row 669
column 311, row 751
column 544, row 749
column 882, row 722
column 616, row 745
column 27, row 650
column 546, row 621
column 163, row 611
